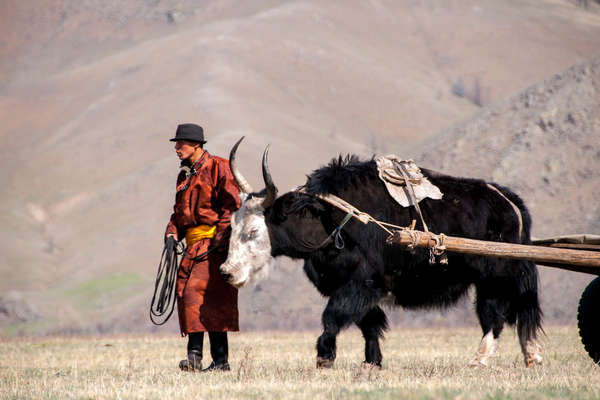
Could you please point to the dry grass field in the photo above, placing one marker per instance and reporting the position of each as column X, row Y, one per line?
column 418, row 364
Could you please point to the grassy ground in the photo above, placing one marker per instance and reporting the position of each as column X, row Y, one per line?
column 418, row 364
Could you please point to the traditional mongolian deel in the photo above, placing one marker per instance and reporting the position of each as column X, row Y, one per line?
column 206, row 197
column 391, row 168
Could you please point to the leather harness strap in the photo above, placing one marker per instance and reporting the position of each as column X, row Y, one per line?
column 411, row 192
column 515, row 208
column 437, row 248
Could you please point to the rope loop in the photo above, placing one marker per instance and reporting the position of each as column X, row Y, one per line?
column 438, row 249
column 415, row 237
column 337, row 232
column 163, row 298
column 339, row 241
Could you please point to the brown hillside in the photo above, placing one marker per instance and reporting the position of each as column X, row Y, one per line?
column 90, row 91
column 545, row 144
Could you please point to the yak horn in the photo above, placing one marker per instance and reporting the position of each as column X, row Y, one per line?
column 239, row 178
column 269, row 185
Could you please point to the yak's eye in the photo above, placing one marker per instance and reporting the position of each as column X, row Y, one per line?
column 251, row 234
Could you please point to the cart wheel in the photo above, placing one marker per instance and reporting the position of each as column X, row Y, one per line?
column 588, row 321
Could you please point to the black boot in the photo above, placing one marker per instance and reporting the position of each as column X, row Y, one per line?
column 219, row 350
column 194, row 353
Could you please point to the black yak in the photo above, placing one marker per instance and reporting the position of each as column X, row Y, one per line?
column 359, row 275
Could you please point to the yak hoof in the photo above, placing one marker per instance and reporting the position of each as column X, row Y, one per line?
column 368, row 367
column 324, row 362
column 478, row 362
column 367, row 370
column 533, row 360
column 532, row 353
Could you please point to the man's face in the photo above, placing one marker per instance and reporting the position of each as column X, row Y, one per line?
column 185, row 149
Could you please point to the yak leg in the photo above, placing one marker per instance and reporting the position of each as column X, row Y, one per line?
column 326, row 344
column 527, row 322
column 348, row 304
column 486, row 349
column 372, row 326
column 532, row 352
column 529, row 316
column 491, row 318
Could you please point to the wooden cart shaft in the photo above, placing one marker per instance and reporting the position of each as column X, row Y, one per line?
column 574, row 260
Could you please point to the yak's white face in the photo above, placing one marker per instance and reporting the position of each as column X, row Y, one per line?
column 249, row 247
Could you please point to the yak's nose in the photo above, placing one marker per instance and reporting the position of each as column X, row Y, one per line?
column 225, row 275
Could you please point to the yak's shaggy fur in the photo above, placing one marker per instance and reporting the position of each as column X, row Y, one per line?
column 357, row 277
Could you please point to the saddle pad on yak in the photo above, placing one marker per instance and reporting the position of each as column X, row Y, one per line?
column 392, row 176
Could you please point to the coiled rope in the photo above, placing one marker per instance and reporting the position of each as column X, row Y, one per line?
column 163, row 300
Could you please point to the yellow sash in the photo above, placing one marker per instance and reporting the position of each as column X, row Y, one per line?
column 197, row 233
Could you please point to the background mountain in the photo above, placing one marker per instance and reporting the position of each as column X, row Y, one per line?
column 90, row 92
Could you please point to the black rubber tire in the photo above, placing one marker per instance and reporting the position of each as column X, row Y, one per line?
column 588, row 319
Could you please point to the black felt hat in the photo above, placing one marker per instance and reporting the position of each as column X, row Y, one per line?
column 190, row 132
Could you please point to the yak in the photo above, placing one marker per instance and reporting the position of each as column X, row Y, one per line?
column 363, row 272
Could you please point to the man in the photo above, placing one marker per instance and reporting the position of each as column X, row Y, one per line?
column 206, row 197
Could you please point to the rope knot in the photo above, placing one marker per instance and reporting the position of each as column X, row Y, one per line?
column 415, row 238
column 438, row 249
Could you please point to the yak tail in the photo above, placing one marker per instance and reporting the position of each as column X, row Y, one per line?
column 527, row 306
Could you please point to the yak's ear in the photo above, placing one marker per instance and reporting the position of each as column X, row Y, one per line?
column 301, row 202
column 279, row 210
column 294, row 203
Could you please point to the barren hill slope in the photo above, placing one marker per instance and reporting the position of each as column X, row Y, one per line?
column 544, row 143
column 91, row 91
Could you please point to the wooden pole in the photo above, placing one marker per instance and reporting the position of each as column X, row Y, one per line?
column 549, row 256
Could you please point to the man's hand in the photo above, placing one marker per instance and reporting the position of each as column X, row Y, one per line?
column 173, row 235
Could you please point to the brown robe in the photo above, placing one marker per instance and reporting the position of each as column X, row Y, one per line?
column 205, row 301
